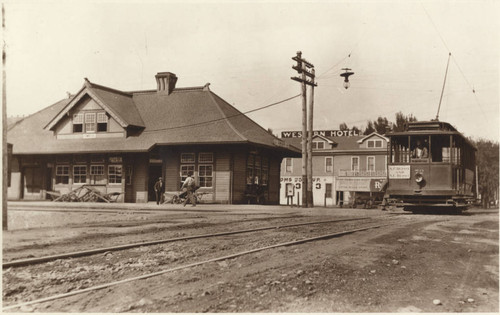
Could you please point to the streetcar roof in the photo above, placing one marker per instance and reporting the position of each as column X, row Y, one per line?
column 429, row 128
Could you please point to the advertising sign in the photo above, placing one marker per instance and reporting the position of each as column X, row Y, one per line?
column 399, row 171
column 324, row 133
column 353, row 184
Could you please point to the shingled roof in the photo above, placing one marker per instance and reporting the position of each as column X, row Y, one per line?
column 183, row 116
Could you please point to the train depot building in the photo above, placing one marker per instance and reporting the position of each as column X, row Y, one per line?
column 346, row 167
column 122, row 142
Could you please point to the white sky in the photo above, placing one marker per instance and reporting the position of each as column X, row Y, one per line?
column 399, row 51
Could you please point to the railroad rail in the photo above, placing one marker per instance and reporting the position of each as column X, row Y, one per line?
column 37, row 260
column 221, row 258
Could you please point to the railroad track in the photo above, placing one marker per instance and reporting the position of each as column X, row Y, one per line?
column 271, row 239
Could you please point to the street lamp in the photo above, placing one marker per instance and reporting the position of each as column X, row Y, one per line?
column 346, row 75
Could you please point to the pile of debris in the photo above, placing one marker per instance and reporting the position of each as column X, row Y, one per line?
column 85, row 193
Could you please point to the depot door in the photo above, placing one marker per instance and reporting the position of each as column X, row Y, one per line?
column 33, row 182
column 154, row 173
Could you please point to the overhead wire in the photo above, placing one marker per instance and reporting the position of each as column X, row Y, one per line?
column 454, row 60
column 224, row 118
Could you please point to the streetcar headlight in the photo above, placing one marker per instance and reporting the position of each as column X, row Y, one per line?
column 419, row 178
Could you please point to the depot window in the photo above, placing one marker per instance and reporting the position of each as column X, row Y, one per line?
column 205, row 175
column 114, row 174
column 97, row 174
column 79, row 174
column 62, row 174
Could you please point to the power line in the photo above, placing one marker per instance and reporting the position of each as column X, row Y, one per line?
column 455, row 61
column 224, row 118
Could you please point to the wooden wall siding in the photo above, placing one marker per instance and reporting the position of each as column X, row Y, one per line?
column 171, row 169
column 140, row 178
column 14, row 190
column 274, row 180
column 222, row 180
column 239, row 176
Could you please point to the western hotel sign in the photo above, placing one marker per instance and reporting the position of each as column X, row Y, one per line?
column 324, row 133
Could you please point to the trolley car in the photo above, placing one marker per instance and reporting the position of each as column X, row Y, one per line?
column 430, row 168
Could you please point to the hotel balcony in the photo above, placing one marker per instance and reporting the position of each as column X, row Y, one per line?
column 350, row 173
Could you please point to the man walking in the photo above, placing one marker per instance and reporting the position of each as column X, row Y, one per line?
column 159, row 190
column 190, row 186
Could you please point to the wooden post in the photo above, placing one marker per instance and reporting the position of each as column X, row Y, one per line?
column 310, row 201
column 304, row 142
column 4, row 132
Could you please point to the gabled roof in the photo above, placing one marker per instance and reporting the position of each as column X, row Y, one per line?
column 342, row 144
column 116, row 103
column 185, row 116
column 373, row 134
column 330, row 141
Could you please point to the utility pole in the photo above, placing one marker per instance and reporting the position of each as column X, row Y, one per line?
column 310, row 200
column 303, row 67
column 4, row 131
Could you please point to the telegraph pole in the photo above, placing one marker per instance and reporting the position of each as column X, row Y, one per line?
column 310, row 200
column 303, row 67
column 4, row 131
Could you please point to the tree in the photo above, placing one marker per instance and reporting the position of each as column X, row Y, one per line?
column 487, row 158
column 343, row 126
column 381, row 125
column 401, row 120
column 369, row 128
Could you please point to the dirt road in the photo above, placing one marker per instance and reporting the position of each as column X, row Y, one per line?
column 418, row 263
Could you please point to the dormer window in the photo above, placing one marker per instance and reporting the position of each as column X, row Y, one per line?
column 374, row 143
column 318, row 145
column 78, row 123
column 90, row 122
column 102, row 122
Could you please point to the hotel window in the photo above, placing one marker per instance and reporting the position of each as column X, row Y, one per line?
column 97, row 174
column 62, row 174
column 79, row 174
column 102, row 122
column 288, row 165
column 205, row 175
column 78, row 123
column 374, row 143
column 370, row 163
column 318, row 145
column 329, row 164
column 355, row 163
column 90, row 122
column 114, row 174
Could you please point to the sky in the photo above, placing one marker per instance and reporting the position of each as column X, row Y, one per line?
column 398, row 51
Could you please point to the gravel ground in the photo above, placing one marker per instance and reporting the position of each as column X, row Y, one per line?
column 419, row 263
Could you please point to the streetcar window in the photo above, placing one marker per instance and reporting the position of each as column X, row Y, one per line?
column 419, row 148
column 400, row 151
column 440, row 148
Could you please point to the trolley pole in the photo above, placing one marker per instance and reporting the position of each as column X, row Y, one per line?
column 303, row 67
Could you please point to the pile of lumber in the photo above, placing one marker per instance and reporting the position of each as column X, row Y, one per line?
column 85, row 193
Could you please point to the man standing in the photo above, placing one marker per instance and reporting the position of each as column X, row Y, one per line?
column 190, row 185
column 158, row 190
